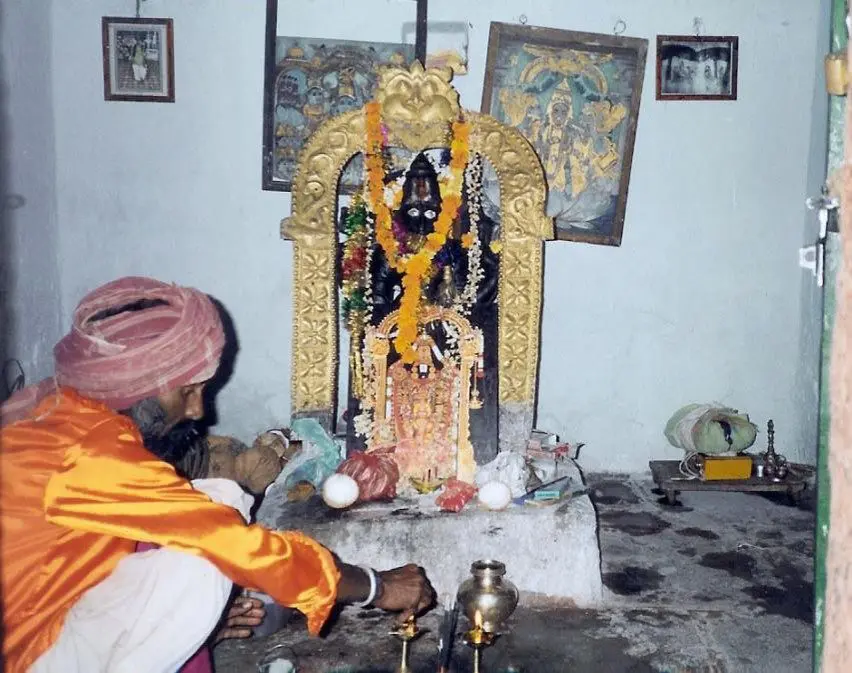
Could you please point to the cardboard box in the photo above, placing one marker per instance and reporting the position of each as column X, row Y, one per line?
column 718, row 468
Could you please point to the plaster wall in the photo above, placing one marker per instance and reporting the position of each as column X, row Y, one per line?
column 703, row 301
column 31, row 294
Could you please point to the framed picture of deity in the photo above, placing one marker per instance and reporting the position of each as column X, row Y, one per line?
column 138, row 59
column 309, row 80
column 575, row 96
column 693, row 67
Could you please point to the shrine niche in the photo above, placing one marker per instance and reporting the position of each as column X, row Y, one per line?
column 422, row 411
column 442, row 303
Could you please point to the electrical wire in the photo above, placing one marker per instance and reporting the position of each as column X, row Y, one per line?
column 689, row 467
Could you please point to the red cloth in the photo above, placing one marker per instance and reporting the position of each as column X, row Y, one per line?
column 456, row 495
column 375, row 473
column 135, row 354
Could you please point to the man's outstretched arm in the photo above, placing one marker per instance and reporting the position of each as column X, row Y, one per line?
column 111, row 485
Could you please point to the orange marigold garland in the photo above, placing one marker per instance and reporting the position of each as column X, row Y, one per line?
column 414, row 267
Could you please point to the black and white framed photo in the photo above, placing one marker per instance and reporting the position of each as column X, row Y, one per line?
column 691, row 67
column 138, row 59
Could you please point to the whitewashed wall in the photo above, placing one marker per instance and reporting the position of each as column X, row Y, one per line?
column 702, row 302
column 28, row 242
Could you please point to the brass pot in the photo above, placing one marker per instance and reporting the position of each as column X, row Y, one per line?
column 488, row 594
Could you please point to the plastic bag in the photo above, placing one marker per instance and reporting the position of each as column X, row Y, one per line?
column 318, row 459
column 710, row 429
column 375, row 473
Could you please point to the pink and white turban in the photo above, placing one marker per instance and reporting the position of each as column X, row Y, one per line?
column 175, row 338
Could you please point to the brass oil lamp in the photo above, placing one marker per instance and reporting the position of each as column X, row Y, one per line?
column 478, row 639
column 407, row 632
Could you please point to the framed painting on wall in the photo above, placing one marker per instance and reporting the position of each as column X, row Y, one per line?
column 307, row 81
column 575, row 96
column 138, row 59
column 692, row 67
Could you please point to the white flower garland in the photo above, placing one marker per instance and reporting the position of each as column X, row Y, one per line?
column 473, row 181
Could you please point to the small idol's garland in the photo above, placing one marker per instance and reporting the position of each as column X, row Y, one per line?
column 415, row 266
column 357, row 303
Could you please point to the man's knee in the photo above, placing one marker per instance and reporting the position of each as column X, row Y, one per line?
column 226, row 492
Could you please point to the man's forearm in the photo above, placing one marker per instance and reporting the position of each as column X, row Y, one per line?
column 354, row 586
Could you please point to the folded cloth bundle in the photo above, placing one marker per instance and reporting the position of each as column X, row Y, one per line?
column 710, row 429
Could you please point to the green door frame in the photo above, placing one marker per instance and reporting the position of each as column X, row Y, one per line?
column 836, row 134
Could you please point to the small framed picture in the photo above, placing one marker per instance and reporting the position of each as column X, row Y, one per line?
column 138, row 59
column 691, row 67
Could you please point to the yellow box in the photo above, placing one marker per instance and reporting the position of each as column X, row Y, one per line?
column 727, row 467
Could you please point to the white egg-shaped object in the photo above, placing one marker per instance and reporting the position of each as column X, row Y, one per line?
column 339, row 491
column 495, row 495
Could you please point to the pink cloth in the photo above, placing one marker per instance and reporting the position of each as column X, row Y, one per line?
column 201, row 661
column 135, row 354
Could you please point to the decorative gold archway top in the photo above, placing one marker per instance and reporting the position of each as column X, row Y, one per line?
column 418, row 105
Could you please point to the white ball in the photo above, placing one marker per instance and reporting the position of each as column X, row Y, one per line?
column 495, row 495
column 339, row 491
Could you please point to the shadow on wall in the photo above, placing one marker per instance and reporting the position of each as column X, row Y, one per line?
column 226, row 367
column 6, row 251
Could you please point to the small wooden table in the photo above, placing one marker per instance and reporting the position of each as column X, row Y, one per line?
column 667, row 476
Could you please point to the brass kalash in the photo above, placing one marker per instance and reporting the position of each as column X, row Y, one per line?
column 487, row 599
column 421, row 400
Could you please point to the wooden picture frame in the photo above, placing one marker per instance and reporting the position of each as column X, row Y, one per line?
column 575, row 96
column 138, row 59
column 308, row 80
column 697, row 67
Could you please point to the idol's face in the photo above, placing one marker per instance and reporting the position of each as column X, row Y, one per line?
column 422, row 207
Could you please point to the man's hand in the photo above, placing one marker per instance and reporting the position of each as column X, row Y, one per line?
column 406, row 590
column 244, row 614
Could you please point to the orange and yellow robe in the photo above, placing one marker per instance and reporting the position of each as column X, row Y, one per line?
column 78, row 490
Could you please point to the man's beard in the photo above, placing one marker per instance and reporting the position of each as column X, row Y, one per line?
column 169, row 444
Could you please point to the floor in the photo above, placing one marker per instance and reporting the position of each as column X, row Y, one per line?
column 717, row 583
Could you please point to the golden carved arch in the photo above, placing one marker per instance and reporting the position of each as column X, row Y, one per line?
column 417, row 105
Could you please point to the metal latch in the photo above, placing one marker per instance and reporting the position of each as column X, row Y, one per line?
column 811, row 258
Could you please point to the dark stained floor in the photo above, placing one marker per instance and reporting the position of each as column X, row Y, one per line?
column 718, row 583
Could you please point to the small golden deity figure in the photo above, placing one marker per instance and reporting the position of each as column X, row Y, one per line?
column 422, row 408
column 423, row 417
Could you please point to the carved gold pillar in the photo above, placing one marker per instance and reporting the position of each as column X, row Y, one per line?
column 470, row 348
column 524, row 227
column 312, row 229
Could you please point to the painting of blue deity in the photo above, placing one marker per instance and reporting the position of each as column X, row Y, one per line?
column 575, row 96
column 314, row 80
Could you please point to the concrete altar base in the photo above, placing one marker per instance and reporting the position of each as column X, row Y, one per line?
column 551, row 551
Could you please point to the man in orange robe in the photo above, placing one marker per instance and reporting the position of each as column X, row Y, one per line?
column 86, row 473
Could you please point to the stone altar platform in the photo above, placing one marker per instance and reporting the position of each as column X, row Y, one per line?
column 551, row 551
